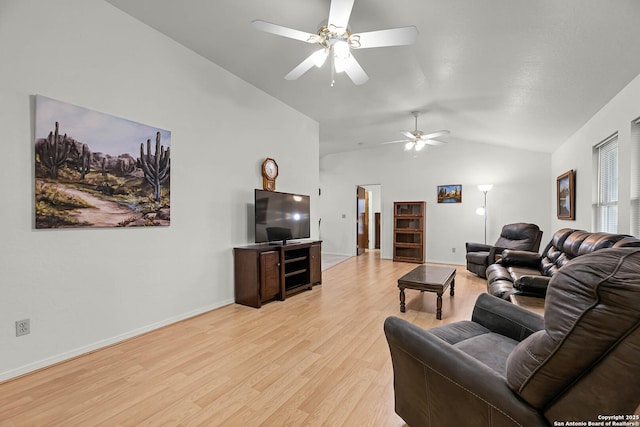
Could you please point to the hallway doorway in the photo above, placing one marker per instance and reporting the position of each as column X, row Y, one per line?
column 368, row 217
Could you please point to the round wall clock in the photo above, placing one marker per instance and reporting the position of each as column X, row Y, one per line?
column 269, row 174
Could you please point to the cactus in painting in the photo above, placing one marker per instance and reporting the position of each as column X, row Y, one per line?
column 53, row 151
column 156, row 167
column 80, row 160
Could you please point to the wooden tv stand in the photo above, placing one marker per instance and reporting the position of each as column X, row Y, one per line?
column 264, row 272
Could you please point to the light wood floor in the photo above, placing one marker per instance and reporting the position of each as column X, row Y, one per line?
column 318, row 358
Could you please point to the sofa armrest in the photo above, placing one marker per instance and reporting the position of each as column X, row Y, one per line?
column 521, row 258
column 425, row 366
column 532, row 285
column 504, row 318
column 477, row 247
column 495, row 253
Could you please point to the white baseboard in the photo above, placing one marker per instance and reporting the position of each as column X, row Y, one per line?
column 62, row 357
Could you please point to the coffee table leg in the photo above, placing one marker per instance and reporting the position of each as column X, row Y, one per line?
column 439, row 306
column 402, row 307
column 453, row 284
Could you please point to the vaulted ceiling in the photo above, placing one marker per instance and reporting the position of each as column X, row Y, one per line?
column 518, row 73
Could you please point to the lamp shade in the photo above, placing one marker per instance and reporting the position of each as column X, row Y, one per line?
column 485, row 187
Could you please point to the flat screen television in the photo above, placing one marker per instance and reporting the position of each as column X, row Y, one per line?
column 281, row 216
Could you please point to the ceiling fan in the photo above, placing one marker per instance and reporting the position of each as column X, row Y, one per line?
column 417, row 139
column 336, row 41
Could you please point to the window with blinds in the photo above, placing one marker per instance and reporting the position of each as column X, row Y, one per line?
column 606, row 206
column 635, row 178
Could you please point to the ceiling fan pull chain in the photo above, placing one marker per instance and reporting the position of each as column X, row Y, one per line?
column 333, row 71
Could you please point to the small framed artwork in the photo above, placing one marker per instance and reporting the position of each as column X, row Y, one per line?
column 449, row 193
column 565, row 189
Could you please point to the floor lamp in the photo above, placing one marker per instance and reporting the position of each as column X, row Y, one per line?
column 483, row 210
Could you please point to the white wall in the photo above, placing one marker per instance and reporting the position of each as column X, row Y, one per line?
column 521, row 193
column 576, row 153
column 83, row 289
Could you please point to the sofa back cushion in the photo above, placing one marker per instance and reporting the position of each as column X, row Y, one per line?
column 553, row 251
column 592, row 307
column 597, row 241
column 571, row 247
column 627, row 242
column 520, row 236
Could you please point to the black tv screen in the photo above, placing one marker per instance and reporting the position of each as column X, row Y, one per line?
column 281, row 216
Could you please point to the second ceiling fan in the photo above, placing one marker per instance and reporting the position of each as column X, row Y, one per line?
column 417, row 139
column 336, row 41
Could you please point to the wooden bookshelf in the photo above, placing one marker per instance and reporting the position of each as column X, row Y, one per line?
column 408, row 231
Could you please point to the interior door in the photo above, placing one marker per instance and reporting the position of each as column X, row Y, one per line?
column 377, row 232
column 361, row 221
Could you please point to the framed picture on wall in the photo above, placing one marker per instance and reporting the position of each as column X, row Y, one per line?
column 566, row 199
column 449, row 193
column 97, row 170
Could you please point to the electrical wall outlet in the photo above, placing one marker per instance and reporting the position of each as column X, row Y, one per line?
column 23, row 327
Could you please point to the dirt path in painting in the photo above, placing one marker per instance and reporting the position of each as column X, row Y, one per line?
column 104, row 213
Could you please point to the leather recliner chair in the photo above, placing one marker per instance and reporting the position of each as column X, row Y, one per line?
column 510, row 367
column 521, row 236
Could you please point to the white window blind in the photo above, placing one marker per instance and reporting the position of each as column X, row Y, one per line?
column 606, row 209
column 635, row 178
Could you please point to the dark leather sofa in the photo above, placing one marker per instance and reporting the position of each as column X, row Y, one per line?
column 520, row 235
column 528, row 273
column 510, row 367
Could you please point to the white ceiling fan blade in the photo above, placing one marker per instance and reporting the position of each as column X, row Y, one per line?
column 339, row 13
column 319, row 57
column 355, row 71
column 304, row 66
column 434, row 142
column 279, row 30
column 435, row 134
column 383, row 38
column 408, row 134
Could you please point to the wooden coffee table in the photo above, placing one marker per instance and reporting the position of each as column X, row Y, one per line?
column 429, row 278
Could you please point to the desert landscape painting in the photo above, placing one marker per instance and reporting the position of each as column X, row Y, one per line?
column 97, row 170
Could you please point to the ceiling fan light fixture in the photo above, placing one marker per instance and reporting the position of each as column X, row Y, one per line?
column 419, row 145
column 408, row 146
column 341, row 49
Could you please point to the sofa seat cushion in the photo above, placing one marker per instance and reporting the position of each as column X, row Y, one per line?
column 458, row 331
column 488, row 347
column 491, row 349
column 517, row 272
